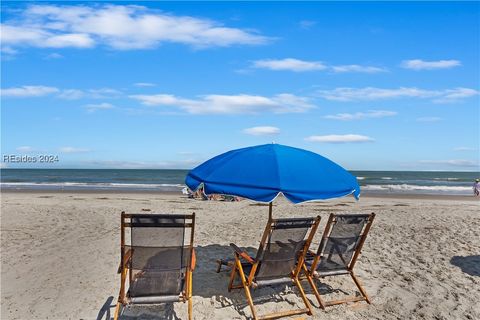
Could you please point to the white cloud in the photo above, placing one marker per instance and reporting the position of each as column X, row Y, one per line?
column 464, row 149
column 455, row 95
column 418, row 64
column 102, row 93
column 289, row 64
column 35, row 36
column 73, row 40
column 73, row 150
column 334, row 138
column 230, row 104
column 71, row 94
column 362, row 115
column 262, row 131
column 117, row 26
column 100, row 106
column 52, row 56
column 68, row 94
column 115, row 164
column 307, row 24
column 372, row 93
column 8, row 51
column 296, row 65
column 429, row 119
column 28, row 91
column 144, row 84
column 25, row 149
column 357, row 68
column 454, row 163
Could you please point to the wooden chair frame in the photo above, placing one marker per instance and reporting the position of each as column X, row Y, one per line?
column 248, row 281
column 311, row 273
column 123, row 269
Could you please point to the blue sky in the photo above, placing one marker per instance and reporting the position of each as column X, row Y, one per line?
column 372, row 86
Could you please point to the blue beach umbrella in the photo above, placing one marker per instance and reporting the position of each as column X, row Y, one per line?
column 261, row 173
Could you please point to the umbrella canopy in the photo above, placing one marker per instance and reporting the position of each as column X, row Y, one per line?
column 260, row 173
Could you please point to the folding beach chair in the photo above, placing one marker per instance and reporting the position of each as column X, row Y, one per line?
column 158, row 261
column 339, row 249
column 279, row 260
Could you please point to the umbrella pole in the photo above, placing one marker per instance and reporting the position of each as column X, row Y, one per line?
column 270, row 211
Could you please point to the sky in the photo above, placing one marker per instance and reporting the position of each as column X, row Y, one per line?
column 371, row 86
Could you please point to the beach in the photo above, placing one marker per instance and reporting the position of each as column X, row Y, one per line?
column 60, row 254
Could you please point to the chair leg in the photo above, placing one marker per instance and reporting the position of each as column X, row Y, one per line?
column 324, row 304
column 302, row 294
column 117, row 311
column 232, row 277
column 359, row 286
column 245, row 286
column 189, row 295
column 190, row 309
column 314, row 287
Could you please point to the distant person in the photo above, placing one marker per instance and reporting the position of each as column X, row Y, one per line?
column 476, row 187
column 199, row 194
column 186, row 191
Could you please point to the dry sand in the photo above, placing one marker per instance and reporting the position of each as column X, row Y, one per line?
column 60, row 253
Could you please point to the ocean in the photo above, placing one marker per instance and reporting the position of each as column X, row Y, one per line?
column 382, row 182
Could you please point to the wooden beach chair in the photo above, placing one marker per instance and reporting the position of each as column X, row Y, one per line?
column 337, row 253
column 279, row 260
column 158, row 261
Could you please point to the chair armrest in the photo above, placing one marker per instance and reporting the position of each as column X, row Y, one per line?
column 123, row 263
column 241, row 253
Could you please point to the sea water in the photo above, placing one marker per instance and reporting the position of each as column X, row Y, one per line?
column 384, row 182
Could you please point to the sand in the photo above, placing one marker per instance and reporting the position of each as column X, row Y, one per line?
column 60, row 253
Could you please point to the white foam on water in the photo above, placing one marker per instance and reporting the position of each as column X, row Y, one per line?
column 382, row 188
column 89, row 185
column 411, row 187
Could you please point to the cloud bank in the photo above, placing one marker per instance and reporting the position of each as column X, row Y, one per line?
column 28, row 91
column 362, row 115
column 372, row 93
column 418, row 64
column 296, row 65
column 73, row 150
column 289, row 64
column 334, row 138
column 262, row 131
column 230, row 104
column 123, row 27
column 454, row 162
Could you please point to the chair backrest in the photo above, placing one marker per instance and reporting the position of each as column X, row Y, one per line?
column 161, row 249
column 342, row 241
column 281, row 245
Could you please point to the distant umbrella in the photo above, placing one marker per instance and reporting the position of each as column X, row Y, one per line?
column 261, row 173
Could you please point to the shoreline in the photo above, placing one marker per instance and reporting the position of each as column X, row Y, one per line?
column 369, row 195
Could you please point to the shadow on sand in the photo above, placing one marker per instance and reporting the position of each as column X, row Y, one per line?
column 207, row 283
column 469, row 264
